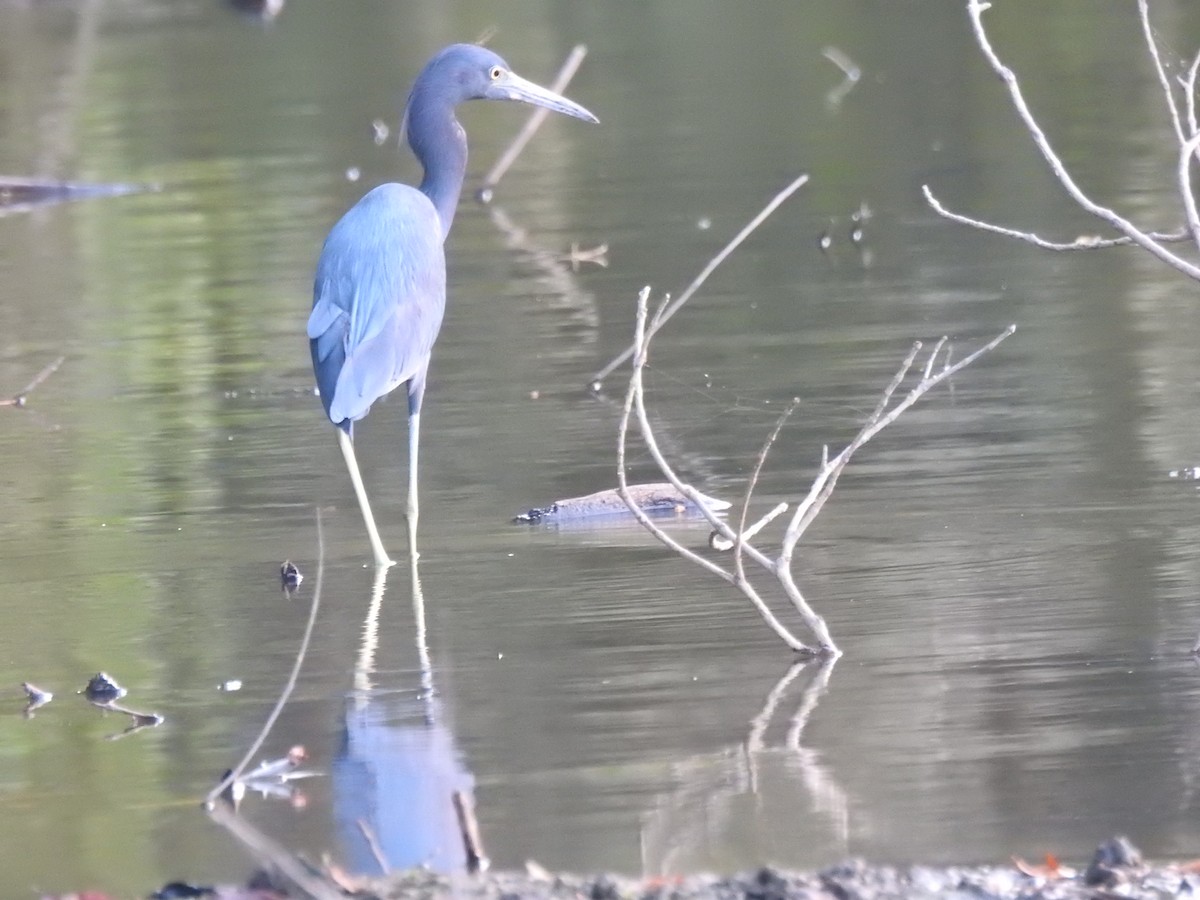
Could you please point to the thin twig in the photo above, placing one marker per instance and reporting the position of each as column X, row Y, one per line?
column 1084, row 242
column 19, row 398
column 1152, row 44
column 720, row 542
column 236, row 772
column 634, row 397
column 1189, row 87
column 739, row 542
column 849, row 69
column 532, row 124
column 826, row 479
column 598, row 378
column 1186, row 154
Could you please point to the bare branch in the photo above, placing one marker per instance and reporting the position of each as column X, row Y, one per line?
column 1186, row 154
column 634, row 397
column 975, row 9
column 747, row 230
column 1189, row 87
column 826, row 479
column 1083, row 242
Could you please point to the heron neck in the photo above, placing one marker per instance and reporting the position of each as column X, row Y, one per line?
column 439, row 142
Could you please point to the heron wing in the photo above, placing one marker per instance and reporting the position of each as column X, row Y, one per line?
column 378, row 299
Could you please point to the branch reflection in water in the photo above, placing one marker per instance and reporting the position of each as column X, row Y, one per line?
column 686, row 830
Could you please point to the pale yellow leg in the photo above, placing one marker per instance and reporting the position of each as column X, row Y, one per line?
column 381, row 557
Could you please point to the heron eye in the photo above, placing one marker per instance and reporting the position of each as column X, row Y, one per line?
column 495, row 73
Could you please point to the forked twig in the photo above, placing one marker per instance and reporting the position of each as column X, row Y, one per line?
column 886, row 411
column 883, row 416
column 709, row 268
column 850, row 70
column 573, row 61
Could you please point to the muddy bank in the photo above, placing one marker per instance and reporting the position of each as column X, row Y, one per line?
column 1116, row 870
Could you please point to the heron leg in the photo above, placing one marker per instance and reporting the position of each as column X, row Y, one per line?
column 414, row 440
column 347, row 445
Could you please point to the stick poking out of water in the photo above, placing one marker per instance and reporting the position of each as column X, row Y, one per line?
column 236, row 772
column 660, row 320
column 19, row 398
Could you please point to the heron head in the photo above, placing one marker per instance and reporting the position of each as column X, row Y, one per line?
column 470, row 72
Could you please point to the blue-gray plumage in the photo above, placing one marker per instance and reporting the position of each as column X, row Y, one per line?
column 380, row 287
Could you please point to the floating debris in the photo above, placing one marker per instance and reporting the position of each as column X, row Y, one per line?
column 233, row 684
column 24, row 194
column 660, row 497
column 289, row 577
column 103, row 692
column 273, row 778
column 180, row 890
column 103, row 689
column 36, row 696
column 266, row 10
column 1192, row 473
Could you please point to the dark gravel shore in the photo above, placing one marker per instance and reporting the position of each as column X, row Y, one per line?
column 1116, row 870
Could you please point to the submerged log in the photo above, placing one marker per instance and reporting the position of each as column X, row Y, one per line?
column 660, row 497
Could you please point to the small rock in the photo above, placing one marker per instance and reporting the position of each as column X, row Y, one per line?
column 604, row 888
column 1110, row 861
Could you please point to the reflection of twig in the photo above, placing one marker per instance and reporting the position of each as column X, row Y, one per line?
column 372, row 840
column 468, row 828
column 579, row 255
column 273, row 853
column 852, row 72
column 19, row 398
column 558, row 278
column 716, row 782
column 140, row 719
column 237, row 770
column 598, row 378
column 509, row 156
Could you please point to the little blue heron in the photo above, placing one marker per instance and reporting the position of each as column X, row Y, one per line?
column 380, row 288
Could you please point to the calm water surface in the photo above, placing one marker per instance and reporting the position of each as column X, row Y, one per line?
column 1009, row 569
